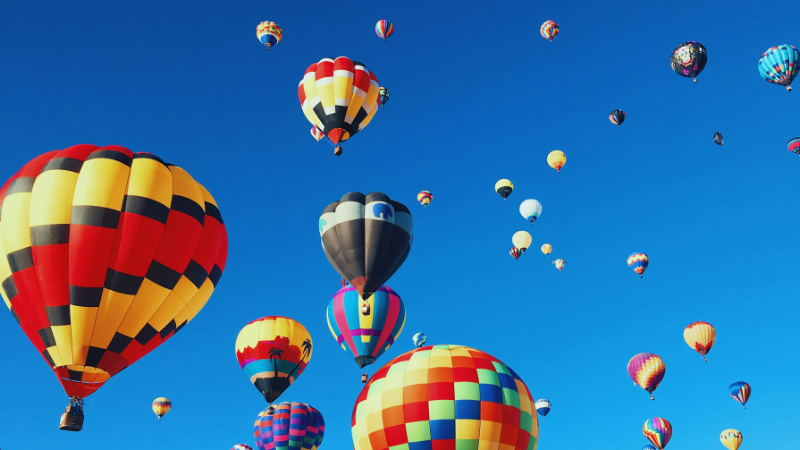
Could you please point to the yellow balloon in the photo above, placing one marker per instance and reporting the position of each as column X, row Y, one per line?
column 521, row 240
column 503, row 188
column 700, row 336
column 556, row 159
column 731, row 438
column 546, row 249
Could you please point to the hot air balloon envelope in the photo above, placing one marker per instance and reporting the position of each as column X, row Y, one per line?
column 779, row 65
column 549, row 30
column 292, row 426
column 689, row 59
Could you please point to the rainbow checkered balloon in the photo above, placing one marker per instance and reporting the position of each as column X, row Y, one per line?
column 445, row 397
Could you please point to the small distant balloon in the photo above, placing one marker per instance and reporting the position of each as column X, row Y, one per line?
column 419, row 340
column 689, row 59
column 543, row 407
column 638, row 262
column 740, row 391
column 779, row 65
column 269, row 33
column 424, row 198
column 161, row 406
column 649, row 447
column 241, row 447
column 658, row 431
column 530, row 209
column 559, row 263
column 546, row 249
column 504, row 188
column 731, row 438
column 647, row 370
column 549, row 30
column 383, row 95
column 556, row 159
column 700, row 336
column 384, row 29
column 316, row 133
column 794, row 145
column 521, row 240
column 718, row 138
column 617, row 116
column 514, row 252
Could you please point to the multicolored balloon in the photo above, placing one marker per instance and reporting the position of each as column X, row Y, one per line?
column 291, row 426
column 521, row 240
column 366, row 238
column 556, row 159
column 504, row 188
column 515, row 253
column 340, row 97
column 647, row 370
column 617, row 116
column 731, row 438
column 718, row 138
column 424, row 395
column 365, row 336
column 658, row 431
column 269, row 33
column 424, row 198
column 689, row 59
column 638, row 262
column 543, row 407
column 740, row 391
column 161, row 406
column 700, row 336
column 546, row 249
column 559, row 263
column 106, row 254
column 794, row 145
column 273, row 351
column 241, row 447
column 316, row 133
column 384, row 29
column 779, row 65
column 383, row 95
column 419, row 340
column 649, row 447
column 530, row 209
column 549, row 30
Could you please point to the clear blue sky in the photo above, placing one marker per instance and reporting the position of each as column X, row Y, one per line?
column 477, row 95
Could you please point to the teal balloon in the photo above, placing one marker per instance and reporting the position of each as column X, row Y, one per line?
column 779, row 65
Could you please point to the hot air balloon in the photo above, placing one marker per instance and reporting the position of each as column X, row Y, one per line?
column 731, row 438
column 269, row 33
column 794, row 145
column 556, row 159
column 700, row 336
column 366, row 238
column 549, row 30
column 108, row 255
column 241, row 447
column 273, row 351
column 543, row 407
column 779, row 65
column 647, row 370
column 530, row 209
column 559, row 263
column 316, row 133
column 740, row 391
column 546, row 249
column 448, row 397
column 366, row 328
column 291, row 426
column 521, row 240
column 638, row 262
column 689, row 59
column 617, row 116
column 419, row 340
column 161, row 406
column 338, row 96
column 649, row 447
column 424, row 198
column 718, row 138
column 658, row 431
column 504, row 188
column 383, row 95
column 515, row 253
column 384, row 29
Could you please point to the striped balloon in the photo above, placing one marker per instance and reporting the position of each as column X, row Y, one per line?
column 617, row 116
column 638, row 262
column 316, row 133
column 383, row 95
column 384, row 29
column 647, row 370
column 543, row 407
column 424, row 198
column 366, row 336
column 269, row 33
column 700, row 336
column 549, row 30
column 779, row 65
column 241, row 447
column 740, row 391
column 161, row 406
column 794, row 145
column 658, row 431
column 295, row 426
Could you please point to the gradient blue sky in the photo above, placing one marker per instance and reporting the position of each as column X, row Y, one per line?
column 477, row 95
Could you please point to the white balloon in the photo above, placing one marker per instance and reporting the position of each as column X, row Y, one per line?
column 530, row 210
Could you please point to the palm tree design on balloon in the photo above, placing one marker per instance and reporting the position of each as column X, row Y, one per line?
column 306, row 351
column 274, row 355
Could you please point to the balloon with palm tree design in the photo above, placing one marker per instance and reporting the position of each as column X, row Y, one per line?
column 273, row 351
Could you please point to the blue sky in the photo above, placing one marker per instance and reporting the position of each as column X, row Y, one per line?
column 477, row 95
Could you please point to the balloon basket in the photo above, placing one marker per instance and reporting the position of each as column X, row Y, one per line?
column 337, row 151
column 364, row 377
column 72, row 418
